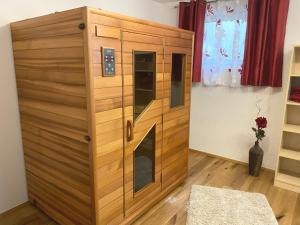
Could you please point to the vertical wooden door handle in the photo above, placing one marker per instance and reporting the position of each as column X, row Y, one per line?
column 129, row 130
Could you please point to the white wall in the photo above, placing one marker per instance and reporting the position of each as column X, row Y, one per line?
column 221, row 117
column 12, row 174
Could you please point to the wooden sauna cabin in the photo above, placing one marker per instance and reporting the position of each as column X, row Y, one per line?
column 104, row 104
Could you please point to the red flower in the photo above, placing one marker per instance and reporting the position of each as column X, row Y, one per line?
column 207, row 53
column 229, row 9
column 261, row 122
column 240, row 71
column 223, row 52
column 210, row 9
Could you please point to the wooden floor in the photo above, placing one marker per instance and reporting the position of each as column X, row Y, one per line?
column 203, row 170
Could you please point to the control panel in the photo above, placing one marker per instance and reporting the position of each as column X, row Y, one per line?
column 108, row 62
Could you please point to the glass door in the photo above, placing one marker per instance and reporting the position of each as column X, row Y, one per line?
column 143, row 106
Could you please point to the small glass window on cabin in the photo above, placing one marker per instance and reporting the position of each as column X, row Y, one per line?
column 177, row 80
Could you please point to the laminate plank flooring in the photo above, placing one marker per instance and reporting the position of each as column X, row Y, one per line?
column 203, row 170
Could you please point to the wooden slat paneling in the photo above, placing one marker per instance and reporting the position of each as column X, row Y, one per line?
column 64, row 99
column 108, row 102
column 150, row 117
column 176, row 120
column 50, row 72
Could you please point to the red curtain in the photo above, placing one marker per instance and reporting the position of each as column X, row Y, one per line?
column 263, row 59
column 191, row 17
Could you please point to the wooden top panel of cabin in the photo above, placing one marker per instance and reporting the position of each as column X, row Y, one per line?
column 126, row 22
column 119, row 20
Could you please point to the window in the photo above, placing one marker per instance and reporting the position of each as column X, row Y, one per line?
column 144, row 81
column 177, row 80
column 224, row 42
column 144, row 161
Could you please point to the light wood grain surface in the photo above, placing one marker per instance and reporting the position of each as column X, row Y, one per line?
column 50, row 74
column 288, row 161
column 77, row 166
column 203, row 170
column 113, row 100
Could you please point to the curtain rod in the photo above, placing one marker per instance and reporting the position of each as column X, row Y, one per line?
column 176, row 6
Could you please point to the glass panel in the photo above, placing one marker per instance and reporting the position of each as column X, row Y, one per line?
column 144, row 161
column 144, row 81
column 177, row 82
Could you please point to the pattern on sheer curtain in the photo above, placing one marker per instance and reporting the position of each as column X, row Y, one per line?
column 224, row 42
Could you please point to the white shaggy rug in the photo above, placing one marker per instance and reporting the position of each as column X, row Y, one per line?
column 217, row 206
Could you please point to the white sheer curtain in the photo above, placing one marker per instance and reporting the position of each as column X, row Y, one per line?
column 224, row 42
